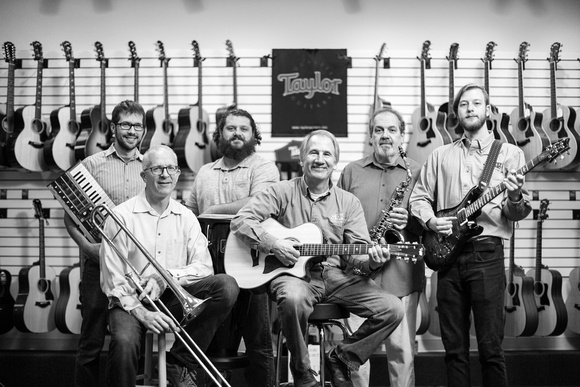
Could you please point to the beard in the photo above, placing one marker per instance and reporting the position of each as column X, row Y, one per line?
column 472, row 126
column 226, row 148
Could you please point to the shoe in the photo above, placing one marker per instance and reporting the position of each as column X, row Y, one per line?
column 180, row 376
column 303, row 379
column 339, row 372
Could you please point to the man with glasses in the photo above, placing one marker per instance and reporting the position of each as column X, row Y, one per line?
column 172, row 235
column 117, row 170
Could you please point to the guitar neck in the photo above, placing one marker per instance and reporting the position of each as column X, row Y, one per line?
column 235, row 65
column 451, row 87
column 10, row 99
column 486, row 77
column 521, row 89
column 103, row 95
column 41, row 258
column 375, row 97
column 38, row 101
column 553, row 98
column 199, row 89
column 423, row 99
column 71, row 89
column 538, row 274
column 136, row 82
column 165, row 94
column 310, row 249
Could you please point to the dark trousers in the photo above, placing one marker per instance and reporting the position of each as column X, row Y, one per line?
column 476, row 281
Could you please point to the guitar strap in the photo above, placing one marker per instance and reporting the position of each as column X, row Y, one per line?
column 489, row 165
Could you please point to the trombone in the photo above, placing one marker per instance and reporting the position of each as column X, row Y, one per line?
column 191, row 306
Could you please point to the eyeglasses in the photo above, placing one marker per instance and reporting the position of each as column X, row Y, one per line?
column 128, row 125
column 171, row 170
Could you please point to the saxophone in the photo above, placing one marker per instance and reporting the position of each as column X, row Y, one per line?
column 384, row 227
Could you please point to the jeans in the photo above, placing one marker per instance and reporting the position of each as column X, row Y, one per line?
column 475, row 281
column 126, row 331
column 296, row 297
column 258, row 341
column 93, row 327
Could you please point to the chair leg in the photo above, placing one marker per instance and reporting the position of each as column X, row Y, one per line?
column 322, row 342
column 162, row 367
column 279, row 357
column 148, row 366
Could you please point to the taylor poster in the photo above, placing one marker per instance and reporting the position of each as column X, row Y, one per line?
column 309, row 91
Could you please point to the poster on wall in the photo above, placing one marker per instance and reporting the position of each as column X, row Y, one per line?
column 309, row 91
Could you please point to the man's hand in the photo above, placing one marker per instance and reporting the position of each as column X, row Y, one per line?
column 156, row 322
column 443, row 225
column 378, row 255
column 513, row 183
column 151, row 288
column 286, row 252
column 399, row 216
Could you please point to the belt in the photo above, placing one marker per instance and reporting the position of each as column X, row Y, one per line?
column 487, row 243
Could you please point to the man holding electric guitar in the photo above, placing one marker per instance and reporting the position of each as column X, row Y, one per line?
column 474, row 280
column 339, row 217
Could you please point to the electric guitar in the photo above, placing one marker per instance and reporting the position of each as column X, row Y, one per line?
column 378, row 102
column 34, row 307
column 434, row 327
column 28, row 146
column 451, row 123
column 527, row 124
column 498, row 123
column 425, row 136
column 441, row 251
column 252, row 269
column 160, row 127
column 95, row 132
column 59, row 150
column 559, row 119
column 521, row 314
column 8, row 133
column 67, row 315
column 573, row 301
column 423, row 316
column 192, row 144
column 6, row 302
column 233, row 63
column 135, row 61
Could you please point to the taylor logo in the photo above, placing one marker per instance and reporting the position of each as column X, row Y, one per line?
column 308, row 86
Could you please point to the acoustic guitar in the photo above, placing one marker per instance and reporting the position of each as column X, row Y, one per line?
column 521, row 314
column 135, row 61
column 573, row 301
column 8, row 133
column 498, row 123
column 441, row 251
column 559, row 119
column 451, row 123
column 95, row 133
column 34, row 307
column 232, row 62
column 160, row 127
column 434, row 327
column 552, row 315
column 67, row 315
column 252, row 268
column 59, row 149
column 526, row 123
column 28, row 145
column 191, row 142
column 425, row 136
column 6, row 302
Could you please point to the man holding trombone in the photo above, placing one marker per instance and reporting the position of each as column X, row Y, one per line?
column 158, row 240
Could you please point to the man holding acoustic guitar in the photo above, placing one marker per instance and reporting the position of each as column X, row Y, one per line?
column 473, row 279
column 340, row 219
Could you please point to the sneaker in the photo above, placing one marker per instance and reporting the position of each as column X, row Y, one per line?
column 304, row 379
column 180, row 376
column 339, row 372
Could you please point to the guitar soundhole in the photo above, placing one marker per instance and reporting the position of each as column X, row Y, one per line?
column 43, row 285
column 7, row 125
column 168, row 127
column 424, row 124
column 491, row 127
column 37, row 126
column 555, row 124
column 201, row 126
column 73, row 127
column 523, row 124
column 511, row 288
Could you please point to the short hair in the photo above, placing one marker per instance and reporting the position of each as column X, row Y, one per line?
column 387, row 109
column 462, row 91
column 156, row 149
column 127, row 107
column 241, row 113
column 324, row 133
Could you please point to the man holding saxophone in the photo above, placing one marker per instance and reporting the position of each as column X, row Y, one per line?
column 171, row 234
column 383, row 182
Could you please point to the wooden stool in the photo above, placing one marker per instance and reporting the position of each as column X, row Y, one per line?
column 161, row 366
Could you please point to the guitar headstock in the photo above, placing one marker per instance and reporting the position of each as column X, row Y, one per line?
column 425, row 51
column 407, row 251
column 489, row 52
column 232, row 59
column 37, row 50
column 543, row 212
column 133, row 57
column 453, row 53
column 555, row 50
column 67, row 48
column 554, row 150
column 161, row 50
column 196, row 53
column 9, row 52
column 523, row 53
column 100, row 52
column 38, row 214
column 381, row 54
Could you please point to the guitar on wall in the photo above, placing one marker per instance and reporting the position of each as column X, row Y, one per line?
column 95, row 133
column 59, row 149
column 573, row 301
column 191, row 142
column 451, row 123
column 559, row 119
column 28, row 145
column 67, row 316
column 6, row 302
column 135, row 61
column 7, row 110
column 521, row 314
column 34, row 307
column 552, row 317
column 441, row 251
column 232, row 62
column 497, row 123
column 160, row 127
column 252, row 269
column 425, row 136
column 526, row 123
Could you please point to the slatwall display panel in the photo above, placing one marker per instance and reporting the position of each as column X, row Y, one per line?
column 398, row 84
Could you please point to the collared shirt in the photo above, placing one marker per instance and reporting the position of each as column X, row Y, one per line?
column 174, row 239
column 338, row 214
column 453, row 169
column 217, row 184
column 374, row 185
